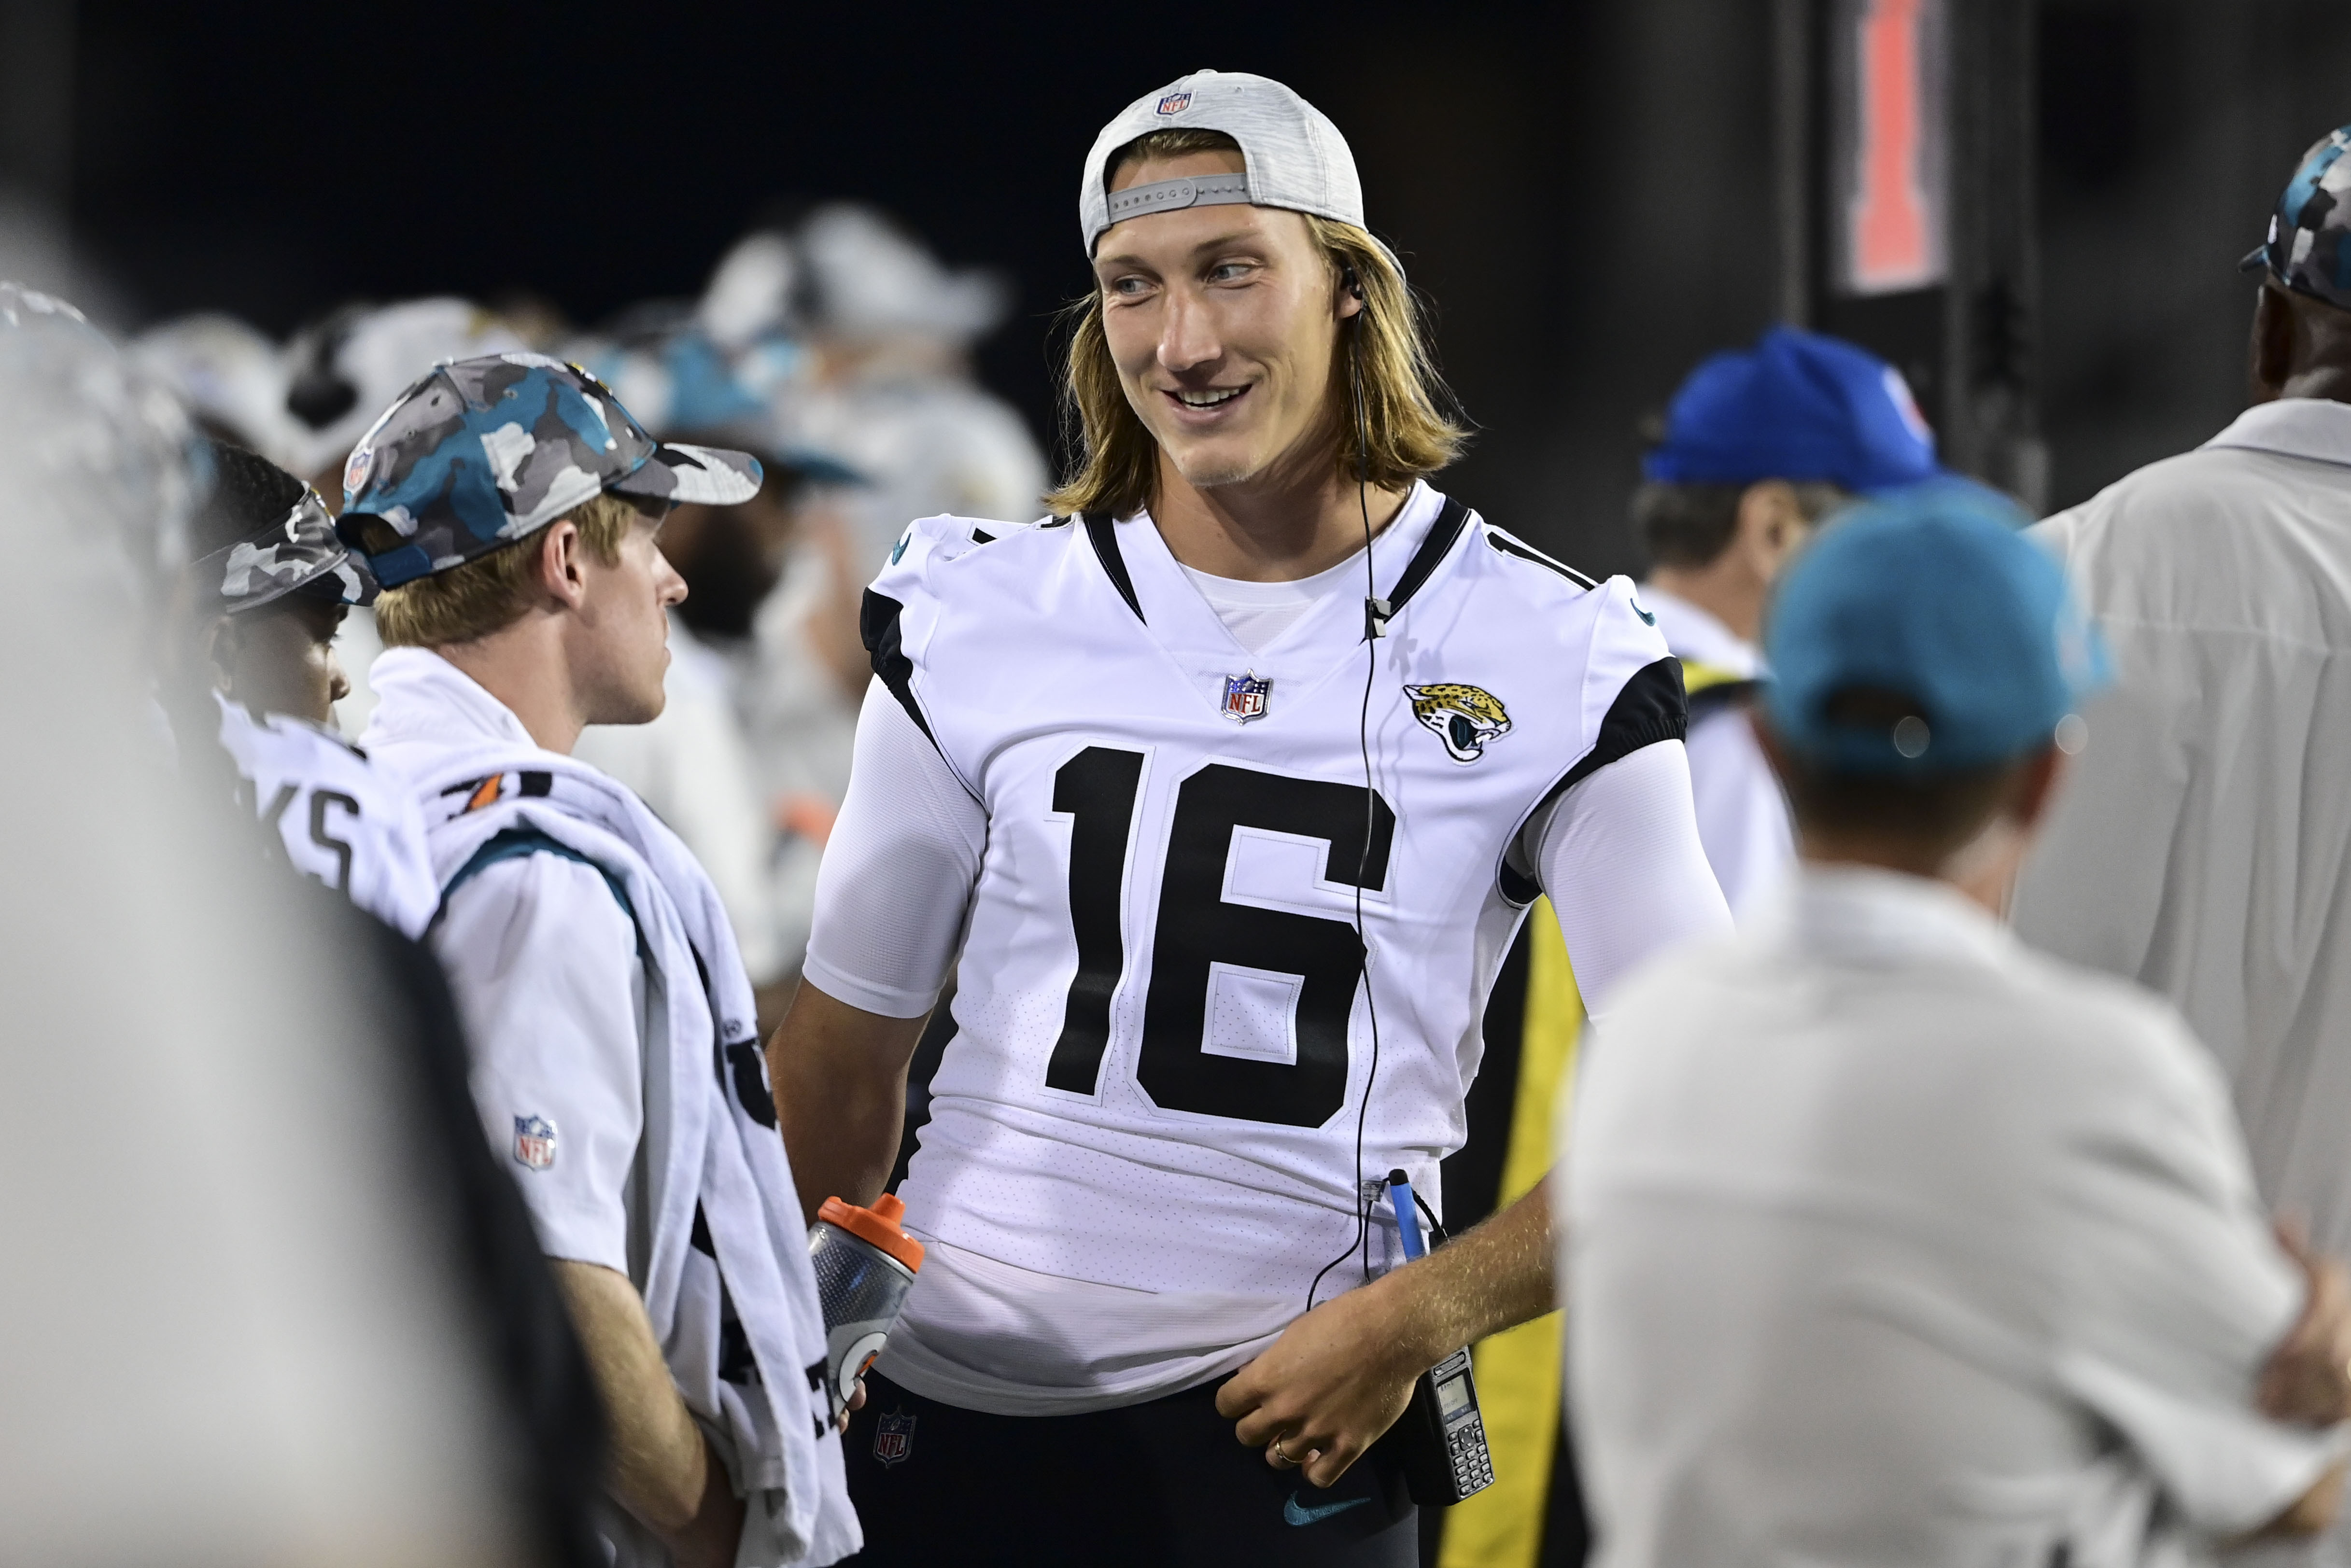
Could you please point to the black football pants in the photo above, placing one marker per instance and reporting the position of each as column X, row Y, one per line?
column 1157, row 1485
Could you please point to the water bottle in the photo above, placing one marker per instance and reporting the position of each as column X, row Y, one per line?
column 864, row 1264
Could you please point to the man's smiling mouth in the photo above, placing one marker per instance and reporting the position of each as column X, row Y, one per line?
column 1210, row 397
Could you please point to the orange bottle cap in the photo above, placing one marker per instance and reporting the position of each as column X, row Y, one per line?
column 878, row 1225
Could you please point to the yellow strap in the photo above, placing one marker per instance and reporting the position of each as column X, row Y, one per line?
column 1519, row 1369
column 1696, row 676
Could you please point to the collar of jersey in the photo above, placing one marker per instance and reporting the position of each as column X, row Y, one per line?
column 1870, row 916
column 1327, row 637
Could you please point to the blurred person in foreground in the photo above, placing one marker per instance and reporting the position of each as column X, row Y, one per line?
column 326, row 1382
column 1213, row 973
column 508, row 505
column 1885, row 1239
column 1760, row 446
column 2205, row 849
column 254, row 670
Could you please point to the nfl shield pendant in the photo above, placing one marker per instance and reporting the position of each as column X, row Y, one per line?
column 1246, row 696
column 894, row 1438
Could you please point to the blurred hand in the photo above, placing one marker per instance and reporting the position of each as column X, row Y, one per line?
column 2308, row 1378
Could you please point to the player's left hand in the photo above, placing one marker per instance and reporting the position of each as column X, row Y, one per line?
column 1335, row 1380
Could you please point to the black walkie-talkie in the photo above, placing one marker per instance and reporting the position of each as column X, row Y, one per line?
column 1440, row 1441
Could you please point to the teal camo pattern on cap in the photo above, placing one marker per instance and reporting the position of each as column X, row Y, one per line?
column 2306, row 250
column 484, row 451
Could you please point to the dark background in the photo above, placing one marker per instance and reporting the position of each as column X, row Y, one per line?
column 1584, row 190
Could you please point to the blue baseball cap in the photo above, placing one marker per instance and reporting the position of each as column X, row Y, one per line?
column 1968, row 621
column 1797, row 406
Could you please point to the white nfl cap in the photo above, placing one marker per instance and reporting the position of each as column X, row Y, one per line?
column 1293, row 156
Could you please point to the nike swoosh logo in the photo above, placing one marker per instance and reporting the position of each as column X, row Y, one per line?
column 1292, row 1514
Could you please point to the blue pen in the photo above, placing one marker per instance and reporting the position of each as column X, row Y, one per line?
column 1406, row 1217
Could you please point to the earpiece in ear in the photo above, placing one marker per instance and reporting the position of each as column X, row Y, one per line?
column 1350, row 282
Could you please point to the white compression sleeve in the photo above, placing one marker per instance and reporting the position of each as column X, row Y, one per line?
column 898, row 870
column 1621, row 860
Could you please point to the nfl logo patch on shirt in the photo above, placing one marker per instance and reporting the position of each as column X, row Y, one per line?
column 894, row 1438
column 1246, row 696
column 534, row 1143
column 1175, row 103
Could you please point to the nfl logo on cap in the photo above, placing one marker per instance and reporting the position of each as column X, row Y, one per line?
column 534, row 1143
column 1175, row 102
column 1245, row 697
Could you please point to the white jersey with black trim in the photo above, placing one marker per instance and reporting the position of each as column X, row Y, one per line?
column 1164, row 1036
column 338, row 819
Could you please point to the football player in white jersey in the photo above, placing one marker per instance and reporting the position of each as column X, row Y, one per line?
column 1233, row 816
column 264, row 604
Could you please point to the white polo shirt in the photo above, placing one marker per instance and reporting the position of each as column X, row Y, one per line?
column 1889, row 1240
column 2204, row 845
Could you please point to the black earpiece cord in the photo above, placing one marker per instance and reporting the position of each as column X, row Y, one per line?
column 1374, row 627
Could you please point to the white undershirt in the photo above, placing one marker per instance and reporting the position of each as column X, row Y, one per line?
column 1255, row 613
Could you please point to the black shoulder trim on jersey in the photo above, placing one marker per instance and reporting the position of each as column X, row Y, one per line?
column 1102, row 530
column 1507, row 546
column 982, row 537
column 1650, row 707
column 1722, row 696
column 1431, row 553
column 877, row 624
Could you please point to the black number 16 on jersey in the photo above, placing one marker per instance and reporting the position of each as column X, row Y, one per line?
column 1197, row 927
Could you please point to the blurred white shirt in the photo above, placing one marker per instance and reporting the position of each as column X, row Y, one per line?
column 1889, row 1240
column 2202, row 845
column 1742, row 814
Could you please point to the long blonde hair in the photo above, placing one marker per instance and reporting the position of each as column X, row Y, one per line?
column 1408, row 415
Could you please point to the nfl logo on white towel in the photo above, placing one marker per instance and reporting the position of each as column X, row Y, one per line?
column 1246, row 696
column 534, row 1143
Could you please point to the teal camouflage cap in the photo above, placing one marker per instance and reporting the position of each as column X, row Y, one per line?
column 2306, row 249
column 483, row 452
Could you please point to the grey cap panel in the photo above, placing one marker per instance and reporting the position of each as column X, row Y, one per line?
column 1294, row 156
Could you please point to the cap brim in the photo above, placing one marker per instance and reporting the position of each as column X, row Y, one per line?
column 2255, row 259
column 680, row 474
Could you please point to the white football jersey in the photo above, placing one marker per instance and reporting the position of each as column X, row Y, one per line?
column 1164, row 1036
column 339, row 819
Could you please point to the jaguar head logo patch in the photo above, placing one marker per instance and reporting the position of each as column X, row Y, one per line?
column 1464, row 717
